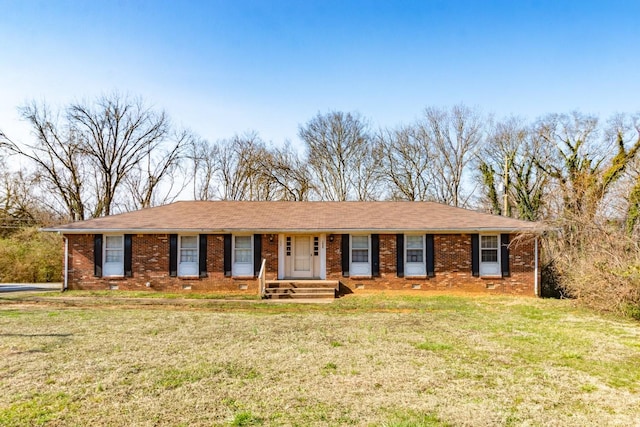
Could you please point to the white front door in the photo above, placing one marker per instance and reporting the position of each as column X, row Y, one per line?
column 302, row 257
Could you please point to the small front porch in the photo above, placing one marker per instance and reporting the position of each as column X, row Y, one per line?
column 300, row 289
column 301, row 270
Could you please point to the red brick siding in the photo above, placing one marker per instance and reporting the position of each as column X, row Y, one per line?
column 270, row 253
column 81, row 263
column 150, row 262
column 452, row 266
column 387, row 254
column 453, row 253
column 334, row 255
column 215, row 254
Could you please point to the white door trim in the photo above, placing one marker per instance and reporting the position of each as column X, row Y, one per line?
column 302, row 244
column 286, row 257
column 281, row 254
column 323, row 257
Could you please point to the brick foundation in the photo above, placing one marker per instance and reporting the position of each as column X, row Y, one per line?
column 150, row 262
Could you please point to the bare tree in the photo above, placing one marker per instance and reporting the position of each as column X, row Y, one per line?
column 288, row 172
column 339, row 152
column 233, row 173
column 405, row 163
column 17, row 207
column 204, row 157
column 508, row 163
column 240, row 173
column 20, row 204
column 368, row 179
column 244, row 168
column 117, row 133
column 57, row 155
column 455, row 136
column 84, row 156
column 154, row 180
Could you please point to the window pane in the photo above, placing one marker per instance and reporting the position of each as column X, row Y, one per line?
column 414, row 242
column 489, row 255
column 189, row 242
column 113, row 242
column 360, row 242
column 188, row 255
column 243, row 242
column 414, row 255
column 242, row 252
column 114, row 255
column 360, row 255
column 243, row 256
column 489, row 242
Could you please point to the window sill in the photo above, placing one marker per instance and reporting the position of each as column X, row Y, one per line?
column 243, row 277
column 416, row 276
column 361, row 277
column 195, row 277
column 491, row 277
column 114, row 277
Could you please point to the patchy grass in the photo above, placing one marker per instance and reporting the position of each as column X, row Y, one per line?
column 432, row 346
column 388, row 360
column 246, row 418
column 116, row 294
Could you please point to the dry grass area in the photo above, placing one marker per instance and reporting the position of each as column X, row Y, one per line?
column 387, row 360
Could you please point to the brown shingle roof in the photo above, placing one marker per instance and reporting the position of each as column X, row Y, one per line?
column 273, row 217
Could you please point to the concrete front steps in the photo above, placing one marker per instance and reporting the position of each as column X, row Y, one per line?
column 301, row 289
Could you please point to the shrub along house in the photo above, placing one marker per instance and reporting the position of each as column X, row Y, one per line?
column 300, row 247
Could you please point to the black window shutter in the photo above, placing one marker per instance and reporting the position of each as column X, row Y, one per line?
column 504, row 255
column 128, row 255
column 227, row 255
column 431, row 255
column 97, row 255
column 257, row 253
column 375, row 255
column 173, row 255
column 345, row 255
column 202, row 255
column 400, row 254
column 475, row 255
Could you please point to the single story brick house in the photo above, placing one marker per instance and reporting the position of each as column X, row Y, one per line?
column 223, row 245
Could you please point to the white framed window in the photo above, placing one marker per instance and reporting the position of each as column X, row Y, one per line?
column 188, row 256
column 360, row 256
column 414, row 257
column 242, row 256
column 490, row 255
column 113, row 264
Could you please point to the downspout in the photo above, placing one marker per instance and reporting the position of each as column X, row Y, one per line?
column 535, row 278
column 65, row 282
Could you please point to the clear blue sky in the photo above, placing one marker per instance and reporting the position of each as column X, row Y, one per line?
column 226, row 67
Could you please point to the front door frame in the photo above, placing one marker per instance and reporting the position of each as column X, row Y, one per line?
column 285, row 269
column 302, row 243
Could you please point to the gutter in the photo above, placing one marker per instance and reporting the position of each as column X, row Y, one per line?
column 536, row 285
column 291, row 231
column 65, row 282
